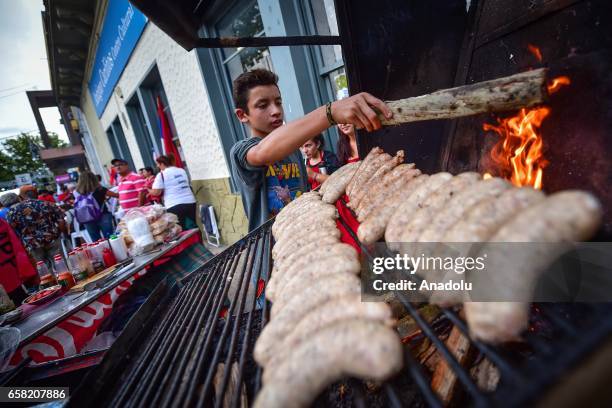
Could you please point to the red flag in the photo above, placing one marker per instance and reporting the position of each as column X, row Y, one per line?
column 169, row 146
column 112, row 174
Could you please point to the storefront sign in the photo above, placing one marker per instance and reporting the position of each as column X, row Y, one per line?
column 61, row 179
column 122, row 28
column 23, row 179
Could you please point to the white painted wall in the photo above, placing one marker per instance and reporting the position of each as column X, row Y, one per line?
column 187, row 97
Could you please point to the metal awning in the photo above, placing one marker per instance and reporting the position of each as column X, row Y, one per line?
column 182, row 19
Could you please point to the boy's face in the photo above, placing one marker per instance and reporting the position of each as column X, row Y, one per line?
column 265, row 110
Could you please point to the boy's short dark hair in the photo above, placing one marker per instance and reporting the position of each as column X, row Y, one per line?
column 249, row 80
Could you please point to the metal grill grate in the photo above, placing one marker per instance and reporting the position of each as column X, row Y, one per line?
column 199, row 351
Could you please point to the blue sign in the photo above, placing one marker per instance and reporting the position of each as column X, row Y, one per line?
column 122, row 27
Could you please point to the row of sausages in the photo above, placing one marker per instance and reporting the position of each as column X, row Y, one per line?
column 397, row 202
column 319, row 330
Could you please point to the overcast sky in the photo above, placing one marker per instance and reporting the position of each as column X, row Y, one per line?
column 23, row 66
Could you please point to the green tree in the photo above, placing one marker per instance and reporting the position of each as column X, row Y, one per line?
column 21, row 154
column 6, row 167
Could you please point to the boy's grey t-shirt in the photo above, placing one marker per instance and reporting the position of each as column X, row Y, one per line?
column 266, row 190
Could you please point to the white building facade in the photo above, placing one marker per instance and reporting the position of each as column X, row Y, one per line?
column 194, row 88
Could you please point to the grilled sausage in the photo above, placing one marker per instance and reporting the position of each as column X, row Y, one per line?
column 295, row 263
column 377, row 190
column 374, row 153
column 562, row 217
column 434, row 203
column 305, row 198
column 312, row 233
column 478, row 225
column 376, row 178
column 374, row 226
column 461, row 204
column 357, row 348
column 364, row 174
column 484, row 219
column 304, row 225
column 292, row 284
column 405, row 211
column 335, row 185
column 283, row 320
column 312, row 210
column 337, row 310
column 307, row 247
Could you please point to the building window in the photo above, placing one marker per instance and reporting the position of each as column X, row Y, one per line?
column 145, row 120
column 118, row 144
column 243, row 21
column 322, row 14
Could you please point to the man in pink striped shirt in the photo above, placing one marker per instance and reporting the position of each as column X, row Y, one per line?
column 132, row 187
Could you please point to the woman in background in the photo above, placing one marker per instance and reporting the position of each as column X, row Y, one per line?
column 172, row 182
column 89, row 184
column 149, row 175
column 347, row 144
column 319, row 163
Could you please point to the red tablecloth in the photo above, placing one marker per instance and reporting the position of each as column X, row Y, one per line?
column 194, row 239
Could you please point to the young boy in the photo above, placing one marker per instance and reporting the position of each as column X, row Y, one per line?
column 268, row 167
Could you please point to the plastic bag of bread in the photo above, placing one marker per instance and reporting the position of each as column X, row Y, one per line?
column 159, row 226
column 140, row 232
column 170, row 218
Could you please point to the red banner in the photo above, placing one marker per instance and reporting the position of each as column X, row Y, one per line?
column 69, row 336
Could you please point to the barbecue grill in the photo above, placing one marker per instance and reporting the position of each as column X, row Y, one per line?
column 191, row 345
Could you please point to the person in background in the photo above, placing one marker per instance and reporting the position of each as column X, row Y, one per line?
column 89, row 184
column 15, row 266
column 61, row 197
column 319, row 163
column 39, row 224
column 131, row 186
column 67, row 196
column 45, row 195
column 149, row 175
column 7, row 201
column 347, row 144
column 173, row 183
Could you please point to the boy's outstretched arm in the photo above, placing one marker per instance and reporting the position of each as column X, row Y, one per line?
column 284, row 140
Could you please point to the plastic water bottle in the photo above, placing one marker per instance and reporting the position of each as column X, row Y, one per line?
column 85, row 261
column 64, row 276
column 76, row 267
column 96, row 257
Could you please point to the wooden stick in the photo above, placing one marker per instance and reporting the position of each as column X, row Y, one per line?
column 503, row 94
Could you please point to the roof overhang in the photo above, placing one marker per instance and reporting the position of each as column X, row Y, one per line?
column 67, row 28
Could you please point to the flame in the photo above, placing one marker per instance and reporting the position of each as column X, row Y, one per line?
column 487, row 176
column 557, row 83
column 518, row 154
column 535, row 51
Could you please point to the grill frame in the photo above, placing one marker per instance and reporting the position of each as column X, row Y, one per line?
column 519, row 384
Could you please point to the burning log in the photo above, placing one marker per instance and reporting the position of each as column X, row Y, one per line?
column 503, row 94
column 444, row 379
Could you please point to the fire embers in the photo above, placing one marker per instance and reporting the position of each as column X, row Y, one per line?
column 518, row 156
